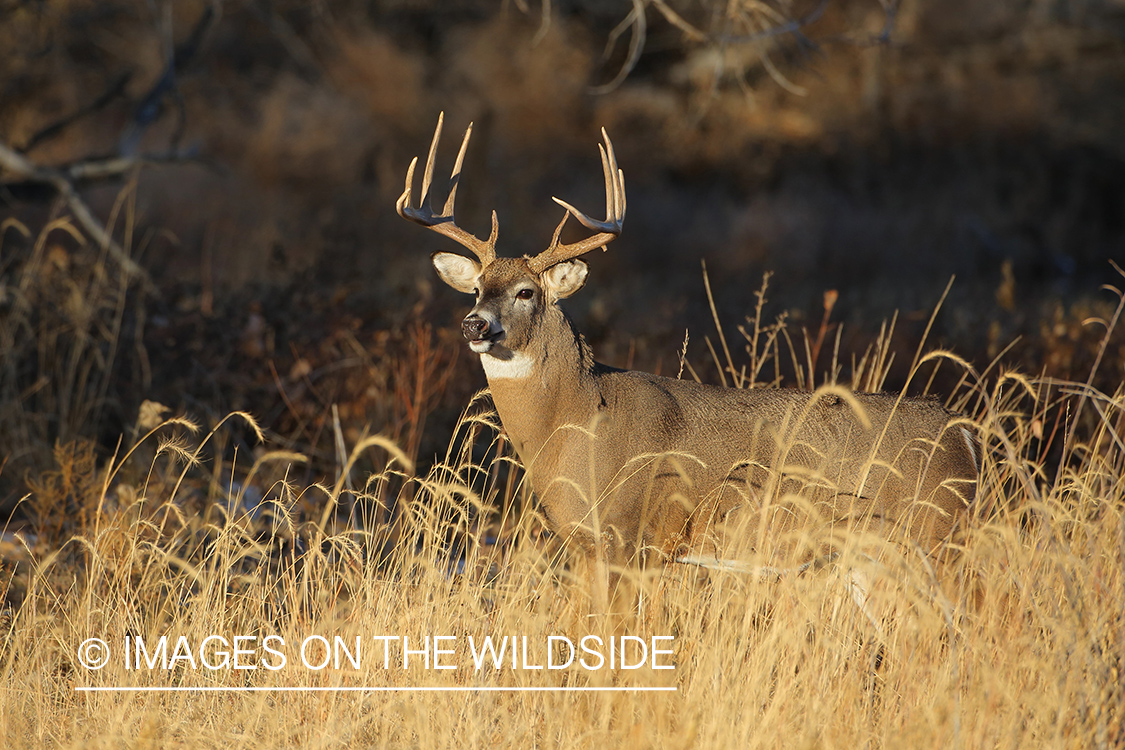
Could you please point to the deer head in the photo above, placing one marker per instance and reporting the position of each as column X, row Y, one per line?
column 511, row 293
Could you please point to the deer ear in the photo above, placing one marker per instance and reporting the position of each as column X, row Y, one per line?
column 456, row 270
column 566, row 278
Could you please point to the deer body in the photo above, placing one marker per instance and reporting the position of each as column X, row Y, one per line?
column 639, row 465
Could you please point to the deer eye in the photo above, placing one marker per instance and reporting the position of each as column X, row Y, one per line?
column 525, row 294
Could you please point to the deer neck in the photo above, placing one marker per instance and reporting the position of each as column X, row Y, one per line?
column 543, row 386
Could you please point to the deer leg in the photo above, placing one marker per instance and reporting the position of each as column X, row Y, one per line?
column 859, row 587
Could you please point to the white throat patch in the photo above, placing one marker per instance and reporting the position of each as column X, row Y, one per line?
column 519, row 365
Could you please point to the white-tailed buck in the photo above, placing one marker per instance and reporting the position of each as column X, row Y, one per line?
column 643, row 466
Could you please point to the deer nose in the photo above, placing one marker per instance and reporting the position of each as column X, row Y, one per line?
column 474, row 328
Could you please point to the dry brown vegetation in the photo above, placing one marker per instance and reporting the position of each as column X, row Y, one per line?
column 1014, row 640
column 323, row 467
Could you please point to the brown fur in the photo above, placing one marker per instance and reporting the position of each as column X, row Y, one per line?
column 642, row 466
column 656, row 467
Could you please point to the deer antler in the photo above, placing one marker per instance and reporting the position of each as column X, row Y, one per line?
column 485, row 250
column 606, row 230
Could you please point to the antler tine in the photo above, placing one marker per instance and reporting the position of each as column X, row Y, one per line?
column 455, row 175
column 606, row 230
column 428, row 174
column 444, row 224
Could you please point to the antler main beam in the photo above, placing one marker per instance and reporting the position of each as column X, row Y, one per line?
column 485, row 250
column 606, row 230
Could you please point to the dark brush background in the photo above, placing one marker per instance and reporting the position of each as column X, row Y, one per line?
column 872, row 148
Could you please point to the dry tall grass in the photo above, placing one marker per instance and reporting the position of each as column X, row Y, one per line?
column 1015, row 640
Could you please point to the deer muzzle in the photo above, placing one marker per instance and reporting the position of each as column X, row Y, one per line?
column 475, row 328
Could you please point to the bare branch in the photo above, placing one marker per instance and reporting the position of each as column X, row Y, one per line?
column 743, row 22
column 21, row 166
column 677, row 20
column 635, row 19
column 151, row 105
column 115, row 89
column 104, row 169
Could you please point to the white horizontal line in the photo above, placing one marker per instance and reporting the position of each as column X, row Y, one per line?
column 372, row 689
